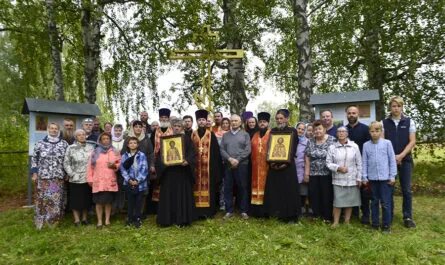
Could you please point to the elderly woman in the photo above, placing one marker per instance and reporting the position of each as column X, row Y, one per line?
column 75, row 165
column 176, row 202
column 299, row 164
column 345, row 162
column 101, row 176
column 318, row 174
column 48, row 174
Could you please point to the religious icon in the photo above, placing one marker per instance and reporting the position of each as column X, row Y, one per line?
column 280, row 147
column 172, row 150
column 41, row 123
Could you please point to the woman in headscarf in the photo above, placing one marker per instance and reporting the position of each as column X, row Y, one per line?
column 176, row 202
column 75, row 164
column 299, row 163
column 48, row 174
column 101, row 176
column 117, row 138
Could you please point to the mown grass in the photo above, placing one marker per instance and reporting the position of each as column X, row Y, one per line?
column 227, row 242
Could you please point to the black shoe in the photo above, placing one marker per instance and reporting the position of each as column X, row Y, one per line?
column 128, row 224
column 85, row 222
column 365, row 220
column 409, row 223
column 386, row 229
column 77, row 224
column 138, row 223
column 375, row 227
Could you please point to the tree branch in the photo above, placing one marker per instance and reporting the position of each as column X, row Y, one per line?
column 320, row 5
column 19, row 30
column 119, row 28
column 429, row 60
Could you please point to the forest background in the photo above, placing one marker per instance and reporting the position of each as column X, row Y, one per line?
column 113, row 52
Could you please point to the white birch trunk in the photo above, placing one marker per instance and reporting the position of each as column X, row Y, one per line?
column 56, row 48
column 305, row 78
column 91, row 21
column 236, row 85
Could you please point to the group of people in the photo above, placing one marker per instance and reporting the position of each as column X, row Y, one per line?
column 225, row 164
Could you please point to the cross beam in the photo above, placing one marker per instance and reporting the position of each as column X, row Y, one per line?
column 203, row 98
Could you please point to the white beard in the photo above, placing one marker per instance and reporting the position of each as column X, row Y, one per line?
column 165, row 124
column 281, row 126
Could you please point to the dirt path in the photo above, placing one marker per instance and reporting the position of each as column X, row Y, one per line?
column 12, row 202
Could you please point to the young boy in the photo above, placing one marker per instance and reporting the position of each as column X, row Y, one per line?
column 380, row 169
column 134, row 170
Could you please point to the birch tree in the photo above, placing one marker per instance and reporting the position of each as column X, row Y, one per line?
column 56, row 49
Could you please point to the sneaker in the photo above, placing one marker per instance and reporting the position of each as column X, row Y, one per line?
column 386, row 230
column 409, row 223
column 244, row 216
column 228, row 216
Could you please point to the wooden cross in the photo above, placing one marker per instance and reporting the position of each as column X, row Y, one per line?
column 206, row 54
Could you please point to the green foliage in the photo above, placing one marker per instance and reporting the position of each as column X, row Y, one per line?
column 358, row 44
column 256, row 241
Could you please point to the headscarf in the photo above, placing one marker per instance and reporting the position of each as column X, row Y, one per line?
column 131, row 132
column 101, row 149
column 113, row 136
column 301, row 137
column 53, row 139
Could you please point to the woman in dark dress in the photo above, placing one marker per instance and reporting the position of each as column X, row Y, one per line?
column 282, row 191
column 176, row 202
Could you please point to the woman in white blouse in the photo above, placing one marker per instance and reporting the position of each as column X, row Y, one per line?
column 345, row 162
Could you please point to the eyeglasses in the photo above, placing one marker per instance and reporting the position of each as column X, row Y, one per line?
column 87, row 120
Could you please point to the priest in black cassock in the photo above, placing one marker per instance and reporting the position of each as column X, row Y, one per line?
column 163, row 130
column 176, row 203
column 208, row 168
column 281, row 198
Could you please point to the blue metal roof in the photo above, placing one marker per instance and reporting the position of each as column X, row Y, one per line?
column 63, row 107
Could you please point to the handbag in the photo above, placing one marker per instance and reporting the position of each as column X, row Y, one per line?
column 129, row 162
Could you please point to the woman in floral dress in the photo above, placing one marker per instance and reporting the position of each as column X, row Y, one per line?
column 48, row 174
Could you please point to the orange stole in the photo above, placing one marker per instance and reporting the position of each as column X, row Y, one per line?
column 156, row 187
column 201, row 189
column 259, row 167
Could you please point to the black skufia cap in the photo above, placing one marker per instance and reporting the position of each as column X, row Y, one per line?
column 264, row 116
column 164, row 112
column 201, row 113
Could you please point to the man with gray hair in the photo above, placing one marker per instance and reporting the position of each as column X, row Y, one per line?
column 87, row 126
column 235, row 151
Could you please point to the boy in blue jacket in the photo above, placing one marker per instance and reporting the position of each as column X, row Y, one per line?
column 380, row 169
column 134, row 170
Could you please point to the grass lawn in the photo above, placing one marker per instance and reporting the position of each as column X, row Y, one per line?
column 227, row 242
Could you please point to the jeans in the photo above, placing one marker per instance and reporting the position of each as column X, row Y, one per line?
column 381, row 195
column 239, row 175
column 405, row 176
column 134, row 204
